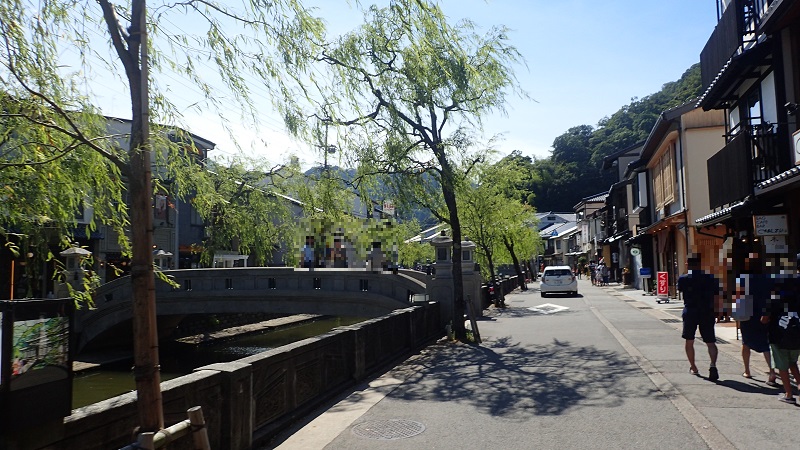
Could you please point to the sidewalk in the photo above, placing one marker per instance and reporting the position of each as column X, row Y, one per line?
column 728, row 337
column 605, row 369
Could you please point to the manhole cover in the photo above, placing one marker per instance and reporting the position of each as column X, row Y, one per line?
column 671, row 320
column 387, row 430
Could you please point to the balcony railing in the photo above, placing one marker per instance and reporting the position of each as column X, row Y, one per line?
column 723, row 43
column 749, row 158
column 736, row 28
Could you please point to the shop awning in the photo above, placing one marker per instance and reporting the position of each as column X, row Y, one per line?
column 617, row 237
column 781, row 180
column 723, row 214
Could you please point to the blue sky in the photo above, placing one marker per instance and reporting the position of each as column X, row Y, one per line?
column 585, row 59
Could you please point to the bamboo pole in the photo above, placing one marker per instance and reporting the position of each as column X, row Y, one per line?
column 194, row 425
column 199, row 431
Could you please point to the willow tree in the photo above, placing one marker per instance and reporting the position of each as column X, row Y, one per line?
column 410, row 80
column 50, row 126
column 519, row 235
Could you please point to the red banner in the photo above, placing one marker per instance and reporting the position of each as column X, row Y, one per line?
column 663, row 284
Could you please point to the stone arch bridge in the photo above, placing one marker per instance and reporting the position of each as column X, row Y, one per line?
column 339, row 292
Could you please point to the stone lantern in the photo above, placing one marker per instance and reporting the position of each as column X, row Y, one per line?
column 471, row 276
column 440, row 283
column 443, row 247
column 73, row 269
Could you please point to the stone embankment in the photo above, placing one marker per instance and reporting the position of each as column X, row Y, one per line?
column 253, row 328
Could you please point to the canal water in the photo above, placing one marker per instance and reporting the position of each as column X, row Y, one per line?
column 94, row 385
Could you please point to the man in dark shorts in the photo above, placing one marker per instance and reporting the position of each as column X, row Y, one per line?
column 701, row 291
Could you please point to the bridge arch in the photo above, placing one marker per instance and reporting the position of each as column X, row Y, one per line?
column 340, row 292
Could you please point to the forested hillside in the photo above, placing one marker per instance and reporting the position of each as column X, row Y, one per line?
column 574, row 169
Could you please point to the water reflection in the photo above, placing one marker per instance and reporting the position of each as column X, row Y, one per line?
column 179, row 359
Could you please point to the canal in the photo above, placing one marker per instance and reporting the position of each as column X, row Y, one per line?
column 108, row 381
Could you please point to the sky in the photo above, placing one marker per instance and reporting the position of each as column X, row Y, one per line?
column 584, row 60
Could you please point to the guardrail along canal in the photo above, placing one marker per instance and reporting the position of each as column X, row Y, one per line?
column 108, row 381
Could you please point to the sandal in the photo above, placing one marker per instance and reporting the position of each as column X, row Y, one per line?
column 747, row 376
column 772, row 383
column 694, row 371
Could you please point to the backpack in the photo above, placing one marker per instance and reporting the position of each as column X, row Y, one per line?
column 790, row 333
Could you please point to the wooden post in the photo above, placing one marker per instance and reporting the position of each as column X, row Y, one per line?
column 199, row 432
column 471, row 313
column 146, row 441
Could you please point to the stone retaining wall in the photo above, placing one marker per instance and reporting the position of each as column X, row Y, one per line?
column 249, row 401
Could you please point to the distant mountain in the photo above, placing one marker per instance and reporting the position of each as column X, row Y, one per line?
column 574, row 169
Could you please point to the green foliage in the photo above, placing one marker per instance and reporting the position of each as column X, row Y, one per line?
column 58, row 155
column 500, row 225
column 241, row 208
column 414, row 84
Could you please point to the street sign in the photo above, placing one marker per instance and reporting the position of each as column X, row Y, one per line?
column 645, row 272
column 662, row 286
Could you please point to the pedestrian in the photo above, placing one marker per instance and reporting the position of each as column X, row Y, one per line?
column 701, row 292
column 605, row 273
column 309, row 253
column 783, row 321
column 592, row 272
column 752, row 296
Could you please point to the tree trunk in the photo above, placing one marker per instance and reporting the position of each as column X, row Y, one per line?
column 145, row 335
column 520, row 277
column 448, row 191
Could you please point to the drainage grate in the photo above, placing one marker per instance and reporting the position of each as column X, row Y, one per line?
column 671, row 320
column 645, row 307
column 388, row 430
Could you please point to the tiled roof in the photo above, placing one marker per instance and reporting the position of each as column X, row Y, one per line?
column 721, row 213
column 787, row 175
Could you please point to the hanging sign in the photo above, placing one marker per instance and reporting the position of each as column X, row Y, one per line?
column 770, row 225
column 776, row 244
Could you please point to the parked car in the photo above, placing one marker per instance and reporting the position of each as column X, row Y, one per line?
column 558, row 279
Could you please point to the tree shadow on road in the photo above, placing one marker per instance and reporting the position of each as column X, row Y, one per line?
column 507, row 380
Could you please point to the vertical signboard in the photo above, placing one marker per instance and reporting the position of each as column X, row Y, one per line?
column 662, row 285
column 388, row 207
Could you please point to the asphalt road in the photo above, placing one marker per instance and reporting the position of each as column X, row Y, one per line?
column 605, row 369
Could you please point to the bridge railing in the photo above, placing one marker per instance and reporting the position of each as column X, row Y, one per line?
column 341, row 292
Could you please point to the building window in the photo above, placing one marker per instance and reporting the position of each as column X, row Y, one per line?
column 317, row 283
column 664, row 179
column 363, row 285
column 271, row 283
column 196, row 219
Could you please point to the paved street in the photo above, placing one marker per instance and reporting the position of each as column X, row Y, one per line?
column 608, row 372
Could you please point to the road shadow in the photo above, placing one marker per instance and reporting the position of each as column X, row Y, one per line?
column 507, row 380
